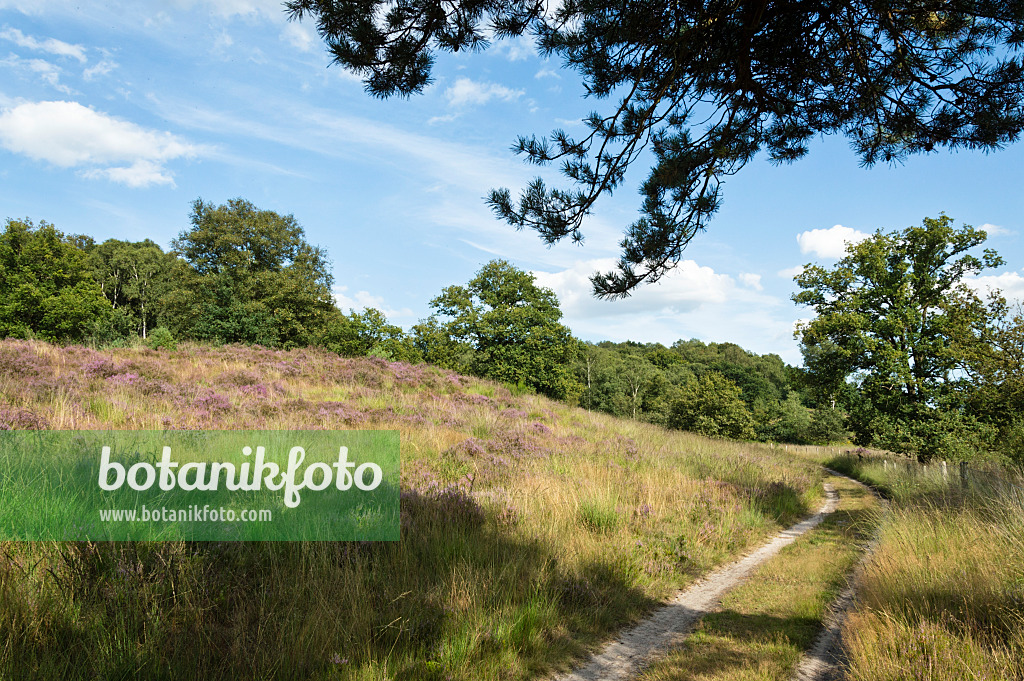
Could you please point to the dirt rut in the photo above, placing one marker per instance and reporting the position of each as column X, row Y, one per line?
column 668, row 626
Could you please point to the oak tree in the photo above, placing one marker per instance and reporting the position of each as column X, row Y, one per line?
column 504, row 327
column 45, row 287
column 896, row 314
column 249, row 275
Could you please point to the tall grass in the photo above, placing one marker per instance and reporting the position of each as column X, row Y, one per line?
column 762, row 627
column 530, row 530
column 943, row 595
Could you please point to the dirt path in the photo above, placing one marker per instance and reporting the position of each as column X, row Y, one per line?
column 824, row 661
column 668, row 626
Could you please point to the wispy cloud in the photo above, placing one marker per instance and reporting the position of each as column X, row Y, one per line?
column 102, row 68
column 996, row 230
column 515, row 49
column 466, row 92
column 328, row 133
column 49, row 45
column 300, row 36
column 791, row 272
column 751, row 281
column 44, row 70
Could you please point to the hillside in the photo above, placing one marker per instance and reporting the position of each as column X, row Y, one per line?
column 530, row 530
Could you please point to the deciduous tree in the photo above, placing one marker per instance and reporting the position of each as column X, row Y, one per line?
column 133, row 276
column 45, row 287
column 711, row 405
column 896, row 314
column 249, row 275
column 504, row 327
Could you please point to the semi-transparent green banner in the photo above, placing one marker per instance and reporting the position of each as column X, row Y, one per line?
column 143, row 485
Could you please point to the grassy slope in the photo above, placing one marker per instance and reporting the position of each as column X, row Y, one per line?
column 530, row 530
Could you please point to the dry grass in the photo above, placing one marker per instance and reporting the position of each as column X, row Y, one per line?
column 763, row 626
column 530, row 530
column 942, row 598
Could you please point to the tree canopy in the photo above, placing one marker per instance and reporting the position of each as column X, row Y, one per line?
column 133, row 276
column 45, row 287
column 712, row 406
column 504, row 327
column 249, row 275
column 896, row 313
column 703, row 87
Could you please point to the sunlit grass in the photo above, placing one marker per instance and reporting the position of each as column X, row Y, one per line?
column 531, row 531
column 942, row 598
column 763, row 627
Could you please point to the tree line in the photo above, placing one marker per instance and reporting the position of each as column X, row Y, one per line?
column 901, row 354
column 239, row 274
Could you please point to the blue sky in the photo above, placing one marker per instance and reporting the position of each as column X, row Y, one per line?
column 115, row 116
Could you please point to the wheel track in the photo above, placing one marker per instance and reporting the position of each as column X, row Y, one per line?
column 670, row 624
column 826, row 658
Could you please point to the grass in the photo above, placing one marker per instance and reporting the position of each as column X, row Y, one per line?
column 942, row 598
column 763, row 627
column 531, row 531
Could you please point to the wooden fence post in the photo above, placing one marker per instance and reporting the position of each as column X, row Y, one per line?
column 963, row 474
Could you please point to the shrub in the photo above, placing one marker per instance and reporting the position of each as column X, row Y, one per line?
column 712, row 406
column 161, row 337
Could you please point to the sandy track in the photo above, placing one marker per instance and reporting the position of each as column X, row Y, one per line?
column 825, row 660
column 669, row 625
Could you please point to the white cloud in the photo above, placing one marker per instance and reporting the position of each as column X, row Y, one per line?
column 231, row 8
column 829, row 243
column 692, row 301
column 466, row 92
column 791, row 272
column 228, row 8
column 299, row 36
column 100, row 69
column 152, row 13
column 519, row 48
column 546, row 72
column 138, row 174
column 325, row 132
column 751, row 281
column 69, row 135
column 995, row 230
column 50, row 45
column 684, row 289
column 363, row 299
column 1010, row 284
column 221, row 43
column 570, row 122
column 434, row 120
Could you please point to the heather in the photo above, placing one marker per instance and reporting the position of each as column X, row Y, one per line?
column 530, row 530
